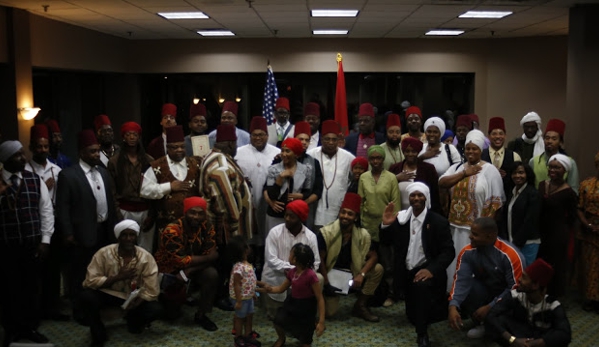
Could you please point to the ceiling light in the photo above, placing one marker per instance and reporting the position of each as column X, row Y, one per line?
column 183, row 15
column 444, row 32
column 485, row 14
column 335, row 13
column 330, row 32
column 216, row 33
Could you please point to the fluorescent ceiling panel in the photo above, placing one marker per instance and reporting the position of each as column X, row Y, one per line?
column 330, row 32
column 485, row 14
column 444, row 32
column 216, row 33
column 183, row 15
column 334, row 13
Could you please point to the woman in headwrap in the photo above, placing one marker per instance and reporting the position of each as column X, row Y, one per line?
column 287, row 181
column 435, row 152
column 358, row 167
column 558, row 214
column 476, row 191
column 447, row 137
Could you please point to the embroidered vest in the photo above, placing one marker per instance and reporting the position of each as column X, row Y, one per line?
column 19, row 211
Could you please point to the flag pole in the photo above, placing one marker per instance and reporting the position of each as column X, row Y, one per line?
column 341, row 98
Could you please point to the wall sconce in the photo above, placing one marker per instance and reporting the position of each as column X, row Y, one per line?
column 221, row 100
column 196, row 101
column 238, row 99
column 28, row 113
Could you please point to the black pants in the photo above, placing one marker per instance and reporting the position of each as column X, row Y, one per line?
column 51, row 269
column 207, row 280
column 426, row 301
column 514, row 327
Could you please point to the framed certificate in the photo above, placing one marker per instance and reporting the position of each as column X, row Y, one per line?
column 200, row 145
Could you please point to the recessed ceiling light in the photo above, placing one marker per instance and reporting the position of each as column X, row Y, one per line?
column 485, row 14
column 444, row 32
column 334, row 13
column 216, row 33
column 330, row 32
column 183, row 15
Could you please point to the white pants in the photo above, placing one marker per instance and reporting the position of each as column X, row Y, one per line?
column 145, row 240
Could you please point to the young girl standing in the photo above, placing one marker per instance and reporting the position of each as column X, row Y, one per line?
column 296, row 317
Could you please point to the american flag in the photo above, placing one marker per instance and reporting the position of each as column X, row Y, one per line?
column 271, row 94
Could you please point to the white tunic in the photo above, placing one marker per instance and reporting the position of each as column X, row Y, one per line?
column 254, row 165
column 441, row 162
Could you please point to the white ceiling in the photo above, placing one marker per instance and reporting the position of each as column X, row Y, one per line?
column 137, row 19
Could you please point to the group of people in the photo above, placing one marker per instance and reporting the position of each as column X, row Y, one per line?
column 457, row 226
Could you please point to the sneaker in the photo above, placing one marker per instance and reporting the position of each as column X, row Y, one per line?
column 477, row 332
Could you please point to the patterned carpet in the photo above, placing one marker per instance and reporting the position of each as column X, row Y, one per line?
column 345, row 330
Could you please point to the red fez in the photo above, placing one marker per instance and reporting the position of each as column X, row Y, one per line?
column 169, row 109
column 393, row 121
column 282, row 103
column 194, row 201
column 413, row 142
column 226, row 132
column 413, row 110
column 312, row 108
column 540, row 272
column 230, row 106
column 302, row 128
column 366, row 109
column 197, row 110
column 330, row 127
column 175, row 134
column 100, row 121
column 87, row 137
column 258, row 123
column 53, row 125
column 363, row 162
column 556, row 125
column 474, row 118
column 496, row 123
column 300, row 208
column 130, row 126
column 352, row 201
column 294, row 145
column 39, row 131
column 464, row 121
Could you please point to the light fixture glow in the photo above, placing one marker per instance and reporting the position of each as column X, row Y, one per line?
column 330, row 32
column 444, row 32
column 221, row 100
column 28, row 113
column 334, row 13
column 485, row 14
column 237, row 99
column 183, row 15
column 196, row 101
column 222, row 32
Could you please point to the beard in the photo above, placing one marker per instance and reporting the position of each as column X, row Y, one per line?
column 393, row 143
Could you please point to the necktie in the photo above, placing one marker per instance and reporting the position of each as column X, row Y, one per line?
column 496, row 160
column 94, row 175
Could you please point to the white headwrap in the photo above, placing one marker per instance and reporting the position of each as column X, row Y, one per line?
column 435, row 121
column 404, row 216
column 562, row 159
column 124, row 225
column 8, row 149
column 476, row 137
column 538, row 138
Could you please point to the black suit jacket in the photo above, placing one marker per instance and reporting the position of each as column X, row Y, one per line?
column 76, row 207
column 351, row 141
column 525, row 216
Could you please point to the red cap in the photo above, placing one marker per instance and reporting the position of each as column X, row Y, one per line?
column 556, row 125
column 366, row 109
column 410, row 141
column 540, row 272
column 282, row 103
column 330, row 127
column 474, row 118
column 39, row 131
column 194, row 201
column 175, row 134
column 226, row 132
column 464, row 121
column 169, row 109
column 496, row 123
column 363, row 162
column 197, row 110
column 312, row 108
column 100, row 121
column 393, row 120
column 230, row 106
column 352, row 201
column 300, row 208
column 413, row 110
column 294, row 145
column 302, row 128
column 53, row 125
column 86, row 138
column 258, row 123
column 130, row 126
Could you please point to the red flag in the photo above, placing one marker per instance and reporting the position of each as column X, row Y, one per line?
column 340, row 98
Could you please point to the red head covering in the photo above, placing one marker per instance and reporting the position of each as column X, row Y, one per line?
column 302, row 128
column 53, row 125
column 474, row 118
column 363, row 162
column 330, row 127
column 194, row 201
column 464, row 121
column 282, row 103
column 197, row 110
column 175, row 134
column 130, row 126
column 556, row 125
column 352, row 201
column 366, row 109
column 226, row 132
column 169, row 109
column 393, row 120
column 496, row 123
column 230, row 106
column 413, row 110
column 39, row 131
column 258, row 123
column 411, row 142
column 101, row 120
column 300, row 208
column 312, row 108
column 294, row 145
column 540, row 272
column 86, row 138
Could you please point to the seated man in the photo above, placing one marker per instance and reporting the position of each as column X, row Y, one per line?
column 527, row 316
column 423, row 250
column 187, row 252
column 113, row 274
column 342, row 245
column 486, row 269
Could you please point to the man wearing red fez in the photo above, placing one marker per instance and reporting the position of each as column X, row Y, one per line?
column 279, row 242
column 527, row 316
column 358, row 143
column 105, row 135
column 312, row 116
column 554, row 141
column 414, row 124
column 198, row 125
column 85, row 210
column 56, row 156
column 229, row 116
column 502, row 158
column 344, row 237
column 157, row 147
column 171, row 179
column 281, row 129
column 393, row 153
column 126, row 168
column 187, row 252
column 462, row 128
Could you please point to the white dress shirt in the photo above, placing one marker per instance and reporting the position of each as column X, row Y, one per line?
column 275, row 129
column 255, row 164
column 97, row 185
column 416, row 256
column 50, row 170
column 313, row 141
column 151, row 189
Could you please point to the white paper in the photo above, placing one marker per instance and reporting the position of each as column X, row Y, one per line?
column 134, row 294
column 340, row 279
column 200, row 145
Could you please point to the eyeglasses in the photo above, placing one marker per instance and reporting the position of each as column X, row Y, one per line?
column 258, row 136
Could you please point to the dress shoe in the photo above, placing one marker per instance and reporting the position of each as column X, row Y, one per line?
column 423, row 341
column 31, row 335
column 205, row 322
column 225, row 305
column 361, row 310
